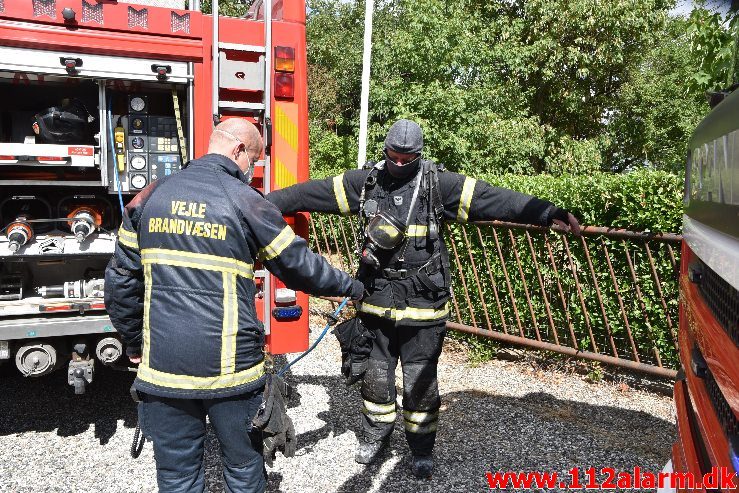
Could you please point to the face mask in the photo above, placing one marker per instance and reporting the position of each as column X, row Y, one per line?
column 250, row 172
column 401, row 171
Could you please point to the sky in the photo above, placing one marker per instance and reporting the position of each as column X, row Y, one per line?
column 684, row 7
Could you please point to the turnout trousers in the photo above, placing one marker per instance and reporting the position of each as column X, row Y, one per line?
column 177, row 428
column 418, row 349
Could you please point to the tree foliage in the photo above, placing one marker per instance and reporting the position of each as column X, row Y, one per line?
column 711, row 37
column 512, row 86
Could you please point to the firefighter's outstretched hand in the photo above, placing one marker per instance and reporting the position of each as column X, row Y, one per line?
column 357, row 290
column 566, row 220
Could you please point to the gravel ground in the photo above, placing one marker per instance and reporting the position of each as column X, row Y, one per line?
column 497, row 416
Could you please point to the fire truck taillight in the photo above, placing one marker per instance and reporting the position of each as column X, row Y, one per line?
column 284, row 59
column 284, row 72
column 284, row 85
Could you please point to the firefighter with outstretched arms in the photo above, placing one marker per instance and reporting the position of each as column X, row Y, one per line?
column 180, row 292
column 402, row 202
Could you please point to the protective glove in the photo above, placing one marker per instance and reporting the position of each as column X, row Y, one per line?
column 278, row 432
column 357, row 290
column 564, row 219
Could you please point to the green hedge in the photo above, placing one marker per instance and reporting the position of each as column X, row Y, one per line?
column 641, row 201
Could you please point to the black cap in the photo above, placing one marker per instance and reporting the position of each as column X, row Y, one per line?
column 405, row 137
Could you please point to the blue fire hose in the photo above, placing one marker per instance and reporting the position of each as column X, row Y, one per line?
column 320, row 337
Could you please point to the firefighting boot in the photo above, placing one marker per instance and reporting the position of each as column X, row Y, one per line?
column 422, row 466
column 367, row 452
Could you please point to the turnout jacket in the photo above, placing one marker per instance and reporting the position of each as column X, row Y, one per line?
column 406, row 297
column 180, row 286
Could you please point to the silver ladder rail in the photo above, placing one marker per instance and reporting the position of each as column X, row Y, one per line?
column 215, row 54
column 266, row 126
column 265, row 109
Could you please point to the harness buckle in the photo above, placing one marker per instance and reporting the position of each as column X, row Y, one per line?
column 396, row 274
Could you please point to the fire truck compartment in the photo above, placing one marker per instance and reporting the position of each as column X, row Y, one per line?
column 24, row 95
column 64, row 325
column 34, row 285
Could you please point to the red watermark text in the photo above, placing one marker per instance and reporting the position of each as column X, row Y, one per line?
column 607, row 478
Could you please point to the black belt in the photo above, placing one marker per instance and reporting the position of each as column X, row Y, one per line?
column 423, row 272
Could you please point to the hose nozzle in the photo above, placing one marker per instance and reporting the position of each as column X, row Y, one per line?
column 19, row 233
column 84, row 221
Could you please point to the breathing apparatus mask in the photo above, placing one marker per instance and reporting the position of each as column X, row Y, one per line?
column 68, row 123
column 384, row 232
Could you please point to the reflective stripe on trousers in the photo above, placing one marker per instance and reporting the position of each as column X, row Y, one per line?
column 421, row 422
column 379, row 413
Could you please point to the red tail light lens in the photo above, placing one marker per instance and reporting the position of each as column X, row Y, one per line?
column 284, row 86
column 284, row 59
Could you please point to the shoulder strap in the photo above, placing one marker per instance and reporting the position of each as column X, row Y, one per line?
column 367, row 188
column 435, row 204
column 411, row 211
column 369, row 183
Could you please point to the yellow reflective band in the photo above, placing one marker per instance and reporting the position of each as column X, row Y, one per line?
column 406, row 313
column 466, row 199
column 193, row 260
column 340, row 194
column 375, row 408
column 380, row 418
column 230, row 324
column 420, row 417
column 189, row 382
column 421, row 429
column 417, row 230
column 128, row 238
column 275, row 248
column 130, row 244
column 147, row 309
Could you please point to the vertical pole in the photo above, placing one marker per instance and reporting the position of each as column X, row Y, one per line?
column 190, row 113
column 195, row 5
column 215, row 65
column 103, row 118
column 366, row 62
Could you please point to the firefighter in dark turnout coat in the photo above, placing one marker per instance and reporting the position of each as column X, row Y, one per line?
column 180, row 291
column 405, row 305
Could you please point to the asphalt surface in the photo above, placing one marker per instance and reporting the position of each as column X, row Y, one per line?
column 499, row 416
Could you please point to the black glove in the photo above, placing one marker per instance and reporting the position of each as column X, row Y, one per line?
column 564, row 219
column 356, row 345
column 357, row 290
column 278, row 432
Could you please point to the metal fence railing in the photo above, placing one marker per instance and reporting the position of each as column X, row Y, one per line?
column 609, row 296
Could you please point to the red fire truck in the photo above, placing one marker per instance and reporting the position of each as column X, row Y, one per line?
column 707, row 388
column 99, row 98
